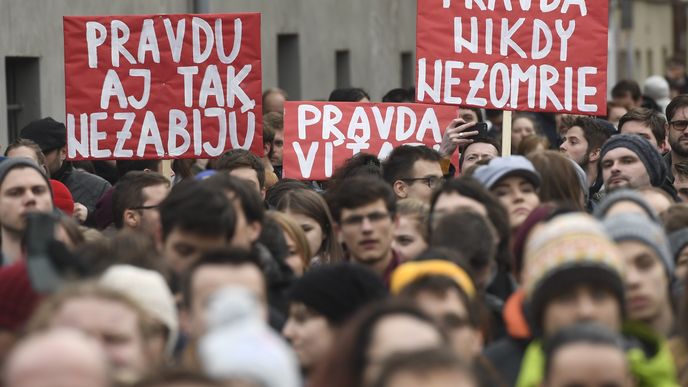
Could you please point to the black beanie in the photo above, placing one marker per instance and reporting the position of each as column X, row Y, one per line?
column 338, row 291
column 47, row 133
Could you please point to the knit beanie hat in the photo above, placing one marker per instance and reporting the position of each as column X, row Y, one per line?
column 635, row 227
column 149, row 289
column 337, row 291
column 518, row 245
column 47, row 133
column 17, row 298
column 678, row 240
column 411, row 271
column 240, row 345
column 622, row 195
column 649, row 155
column 502, row 167
column 62, row 198
column 7, row 165
column 569, row 250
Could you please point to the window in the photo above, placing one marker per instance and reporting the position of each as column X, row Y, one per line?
column 23, row 93
column 342, row 69
column 289, row 65
column 407, row 71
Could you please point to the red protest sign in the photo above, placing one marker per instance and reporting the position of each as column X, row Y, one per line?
column 320, row 136
column 528, row 55
column 162, row 86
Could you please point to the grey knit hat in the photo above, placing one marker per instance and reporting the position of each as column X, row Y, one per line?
column 678, row 240
column 649, row 155
column 502, row 167
column 635, row 227
column 621, row 195
column 11, row 163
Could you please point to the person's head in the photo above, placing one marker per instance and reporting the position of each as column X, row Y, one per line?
column 630, row 161
column 470, row 114
column 57, row 358
column 247, row 205
column 676, row 67
column 647, row 123
column 349, row 94
column 24, row 188
column 23, row 147
column 126, row 166
column 573, row 272
column 430, row 368
column 51, row 137
column 361, row 164
column 583, row 140
column 244, row 165
column 370, row 338
column 515, row 182
column 477, row 245
column 560, row 180
column 399, row 96
column 411, row 233
column 680, row 171
column 310, row 211
column 299, row 257
column 273, row 100
column 175, row 378
column 659, row 199
column 467, row 193
column 213, row 271
column 677, row 118
column 321, row 302
column 482, row 148
column 195, row 218
column 413, row 171
column 364, row 209
column 586, row 354
column 624, row 201
column 532, row 143
column 149, row 290
column 274, row 122
column 136, row 199
column 107, row 315
column 614, row 113
column 649, row 267
column 627, row 94
column 446, row 292
column 522, row 126
column 675, row 221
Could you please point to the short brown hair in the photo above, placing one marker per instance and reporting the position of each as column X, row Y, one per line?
column 648, row 117
column 128, row 193
column 241, row 158
column 560, row 181
column 25, row 142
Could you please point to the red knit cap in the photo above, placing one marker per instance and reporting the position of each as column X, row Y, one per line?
column 62, row 198
column 17, row 299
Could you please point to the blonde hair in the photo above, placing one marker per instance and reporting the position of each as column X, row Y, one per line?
column 289, row 226
column 418, row 211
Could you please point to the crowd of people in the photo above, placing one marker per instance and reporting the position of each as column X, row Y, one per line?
column 560, row 265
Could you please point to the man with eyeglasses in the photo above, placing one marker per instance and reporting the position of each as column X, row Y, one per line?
column 364, row 210
column 135, row 202
column 677, row 117
column 413, row 172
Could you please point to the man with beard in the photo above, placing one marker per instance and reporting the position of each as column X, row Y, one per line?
column 677, row 118
column 582, row 142
column 630, row 161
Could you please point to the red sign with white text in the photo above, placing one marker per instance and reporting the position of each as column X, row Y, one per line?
column 162, row 86
column 526, row 55
column 320, row 136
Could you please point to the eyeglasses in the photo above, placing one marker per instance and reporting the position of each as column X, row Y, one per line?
column 430, row 181
column 679, row 124
column 153, row 207
column 373, row 217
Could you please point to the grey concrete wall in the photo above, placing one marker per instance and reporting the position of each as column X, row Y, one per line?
column 374, row 31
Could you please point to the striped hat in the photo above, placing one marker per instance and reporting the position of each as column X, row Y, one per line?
column 569, row 250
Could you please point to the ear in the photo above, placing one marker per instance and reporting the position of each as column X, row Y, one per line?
column 63, row 153
column 266, row 148
column 262, row 193
column 595, row 155
column 338, row 232
column 254, row 229
column 400, row 189
column 664, row 147
column 131, row 218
